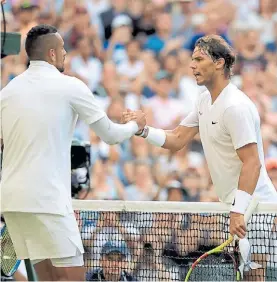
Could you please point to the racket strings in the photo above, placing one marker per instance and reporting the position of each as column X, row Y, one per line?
column 216, row 267
column 8, row 255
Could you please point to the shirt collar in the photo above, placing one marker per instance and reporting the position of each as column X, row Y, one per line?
column 43, row 64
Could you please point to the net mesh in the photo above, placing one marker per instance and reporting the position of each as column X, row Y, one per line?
column 154, row 245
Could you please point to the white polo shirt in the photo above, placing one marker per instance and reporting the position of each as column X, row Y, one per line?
column 228, row 124
column 39, row 109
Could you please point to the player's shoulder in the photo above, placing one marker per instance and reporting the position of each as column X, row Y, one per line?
column 15, row 84
column 238, row 102
column 236, row 98
column 74, row 83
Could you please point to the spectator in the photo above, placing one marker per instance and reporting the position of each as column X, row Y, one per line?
column 192, row 183
column 141, row 13
column 121, row 35
column 165, row 110
column 205, row 24
column 269, row 142
column 84, row 64
column 143, row 188
column 133, row 66
column 175, row 192
column 95, row 9
column 113, row 263
column 271, row 166
column 251, row 57
column 271, row 46
column 118, row 7
column 27, row 15
column 105, row 184
column 162, row 40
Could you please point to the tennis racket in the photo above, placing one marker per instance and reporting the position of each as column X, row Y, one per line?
column 9, row 261
column 220, row 249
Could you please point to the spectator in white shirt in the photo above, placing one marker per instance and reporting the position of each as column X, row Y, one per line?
column 133, row 66
column 87, row 67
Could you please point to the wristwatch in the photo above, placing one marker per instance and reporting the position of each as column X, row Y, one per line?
column 143, row 133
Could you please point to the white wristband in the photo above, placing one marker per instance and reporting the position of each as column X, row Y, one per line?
column 241, row 202
column 156, row 136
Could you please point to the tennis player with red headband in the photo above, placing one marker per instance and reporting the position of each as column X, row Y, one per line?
column 229, row 127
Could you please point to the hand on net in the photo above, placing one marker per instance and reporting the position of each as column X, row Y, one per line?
column 237, row 225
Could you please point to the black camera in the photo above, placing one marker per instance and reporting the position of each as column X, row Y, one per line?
column 80, row 165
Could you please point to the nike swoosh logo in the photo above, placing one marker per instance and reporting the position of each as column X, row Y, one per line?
column 234, row 202
column 200, row 113
column 214, row 122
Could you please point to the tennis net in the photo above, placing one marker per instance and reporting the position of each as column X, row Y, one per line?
column 151, row 241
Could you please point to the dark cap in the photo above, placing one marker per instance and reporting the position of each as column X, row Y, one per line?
column 115, row 247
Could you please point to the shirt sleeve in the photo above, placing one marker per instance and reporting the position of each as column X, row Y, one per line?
column 239, row 121
column 84, row 103
column 191, row 120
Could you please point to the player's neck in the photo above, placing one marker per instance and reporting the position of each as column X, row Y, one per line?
column 216, row 87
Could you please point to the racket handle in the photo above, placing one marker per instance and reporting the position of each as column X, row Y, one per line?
column 250, row 210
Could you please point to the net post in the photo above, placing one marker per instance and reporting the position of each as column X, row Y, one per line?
column 30, row 270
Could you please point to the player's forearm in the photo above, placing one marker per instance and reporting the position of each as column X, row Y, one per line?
column 249, row 176
column 173, row 140
column 114, row 133
column 248, row 179
column 166, row 139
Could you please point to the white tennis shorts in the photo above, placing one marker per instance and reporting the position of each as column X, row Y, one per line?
column 46, row 236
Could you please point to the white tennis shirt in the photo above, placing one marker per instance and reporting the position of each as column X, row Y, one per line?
column 39, row 109
column 228, row 124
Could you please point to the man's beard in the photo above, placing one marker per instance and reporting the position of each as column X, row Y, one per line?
column 60, row 69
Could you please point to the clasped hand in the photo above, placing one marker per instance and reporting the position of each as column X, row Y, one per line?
column 138, row 116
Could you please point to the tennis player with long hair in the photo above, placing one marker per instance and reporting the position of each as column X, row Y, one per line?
column 39, row 109
column 229, row 127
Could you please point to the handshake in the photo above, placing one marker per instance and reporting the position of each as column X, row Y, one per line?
column 138, row 116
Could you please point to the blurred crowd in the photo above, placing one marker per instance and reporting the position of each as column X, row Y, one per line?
column 135, row 54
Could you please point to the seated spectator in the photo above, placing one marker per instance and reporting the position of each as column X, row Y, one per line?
column 136, row 150
column 27, row 15
column 142, row 15
column 162, row 42
column 155, row 268
column 205, row 24
column 271, row 47
column 269, row 142
column 118, row 7
column 85, row 65
column 121, row 35
column 192, row 183
column 143, row 188
column 166, row 112
column 105, row 184
column 251, row 56
column 109, row 87
column 173, row 191
column 114, row 263
column 95, row 9
column 271, row 167
column 133, row 66
column 176, row 192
